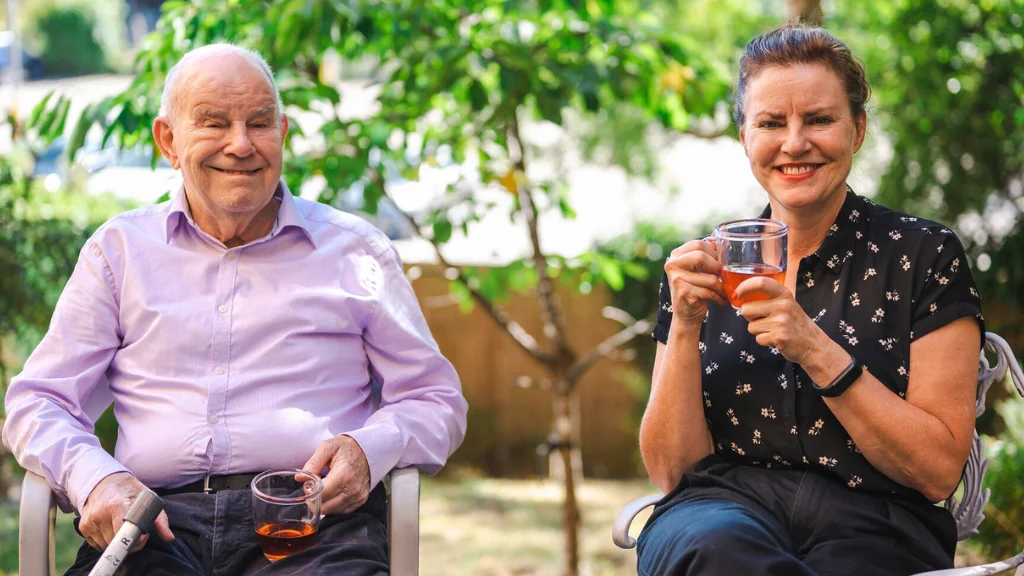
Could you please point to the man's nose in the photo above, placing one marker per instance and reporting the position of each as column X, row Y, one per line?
column 796, row 142
column 239, row 143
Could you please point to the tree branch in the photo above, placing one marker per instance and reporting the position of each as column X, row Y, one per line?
column 551, row 313
column 526, row 342
column 607, row 347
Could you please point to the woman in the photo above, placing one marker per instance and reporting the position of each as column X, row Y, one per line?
column 810, row 433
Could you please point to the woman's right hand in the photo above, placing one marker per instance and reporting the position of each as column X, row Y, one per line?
column 692, row 271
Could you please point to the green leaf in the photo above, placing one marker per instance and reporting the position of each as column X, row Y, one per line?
column 442, row 230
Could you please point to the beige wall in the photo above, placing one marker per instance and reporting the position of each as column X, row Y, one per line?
column 506, row 422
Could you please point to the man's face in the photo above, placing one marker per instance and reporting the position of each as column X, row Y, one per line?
column 228, row 135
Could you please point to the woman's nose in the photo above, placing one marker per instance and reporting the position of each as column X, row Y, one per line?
column 796, row 142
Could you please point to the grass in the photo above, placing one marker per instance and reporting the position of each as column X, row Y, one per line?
column 479, row 527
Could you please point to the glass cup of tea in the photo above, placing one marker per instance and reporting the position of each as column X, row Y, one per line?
column 286, row 511
column 750, row 248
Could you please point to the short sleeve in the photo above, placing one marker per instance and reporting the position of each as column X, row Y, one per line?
column 947, row 289
column 664, row 317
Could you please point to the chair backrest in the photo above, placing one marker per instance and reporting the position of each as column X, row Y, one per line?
column 969, row 510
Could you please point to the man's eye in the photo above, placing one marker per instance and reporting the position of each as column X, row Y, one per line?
column 769, row 124
column 214, row 125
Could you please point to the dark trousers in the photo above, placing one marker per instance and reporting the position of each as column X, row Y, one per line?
column 215, row 536
column 727, row 518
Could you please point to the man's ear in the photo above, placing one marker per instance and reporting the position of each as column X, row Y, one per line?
column 284, row 126
column 164, row 137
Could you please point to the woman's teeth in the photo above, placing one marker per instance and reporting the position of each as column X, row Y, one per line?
column 795, row 170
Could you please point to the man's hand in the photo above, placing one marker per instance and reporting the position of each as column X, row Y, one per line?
column 106, row 506
column 347, row 483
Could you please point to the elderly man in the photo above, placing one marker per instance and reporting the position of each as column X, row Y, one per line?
column 236, row 329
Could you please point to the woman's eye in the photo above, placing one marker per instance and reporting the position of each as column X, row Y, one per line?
column 822, row 120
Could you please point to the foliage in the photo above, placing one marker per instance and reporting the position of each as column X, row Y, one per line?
column 106, row 32
column 1001, row 534
column 68, row 44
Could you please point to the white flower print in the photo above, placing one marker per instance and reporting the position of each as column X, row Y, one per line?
column 852, row 447
column 854, row 299
column 893, row 296
column 783, row 381
column 757, row 437
column 707, row 399
column 879, row 314
column 820, row 315
column 859, row 234
column 725, row 338
column 854, row 481
column 905, row 262
column 781, row 460
column 847, row 332
column 748, row 358
column 833, row 261
column 711, row 368
column 974, row 292
column 835, row 286
column 816, row 429
column 833, row 229
column 870, row 272
column 793, row 431
column 804, row 458
column 774, row 350
column 732, row 417
column 739, row 313
column 667, row 307
column 903, row 394
column 768, row 412
column 932, row 308
column 742, row 389
column 895, row 235
column 702, row 347
column 808, row 280
column 908, row 219
column 954, row 266
column 943, row 280
column 873, row 247
column 902, row 370
column 854, row 215
column 826, row 461
column 887, row 343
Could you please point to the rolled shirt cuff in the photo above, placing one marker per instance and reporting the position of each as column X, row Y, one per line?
column 382, row 445
column 87, row 473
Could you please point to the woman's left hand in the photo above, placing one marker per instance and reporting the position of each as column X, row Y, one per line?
column 780, row 321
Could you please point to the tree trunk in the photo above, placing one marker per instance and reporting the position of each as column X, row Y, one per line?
column 570, row 509
column 808, row 11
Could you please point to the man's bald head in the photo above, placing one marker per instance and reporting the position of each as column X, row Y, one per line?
column 211, row 56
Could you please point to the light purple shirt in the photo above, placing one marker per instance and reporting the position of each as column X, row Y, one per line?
column 223, row 361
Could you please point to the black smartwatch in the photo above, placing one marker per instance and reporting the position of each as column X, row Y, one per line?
column 839, row 385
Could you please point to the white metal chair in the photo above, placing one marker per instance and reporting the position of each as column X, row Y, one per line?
column 38, row 515
column 968, row 512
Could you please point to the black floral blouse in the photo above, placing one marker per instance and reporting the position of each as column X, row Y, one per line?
column 879, row 280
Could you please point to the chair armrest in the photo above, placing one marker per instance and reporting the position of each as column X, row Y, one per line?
column 620, row 530
column 404, row 522
column 36, row 518
column 993, row 568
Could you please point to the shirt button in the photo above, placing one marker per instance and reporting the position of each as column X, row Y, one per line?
column 231, row 256
column 222, row 309
column 213, row 419
column 218, row 370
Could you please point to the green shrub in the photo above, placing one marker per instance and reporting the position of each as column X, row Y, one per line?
column 68, row 45
column 1001, row 535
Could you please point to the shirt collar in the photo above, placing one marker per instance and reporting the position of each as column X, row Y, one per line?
column 288, row 215
column 835, row 250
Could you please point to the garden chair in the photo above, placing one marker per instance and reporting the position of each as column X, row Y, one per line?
column 968, row 511
column 39, row 512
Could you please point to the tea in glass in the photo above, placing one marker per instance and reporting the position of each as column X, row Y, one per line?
column 747, row 249
column 286, row 511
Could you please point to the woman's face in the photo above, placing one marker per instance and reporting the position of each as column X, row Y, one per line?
column 799, row 134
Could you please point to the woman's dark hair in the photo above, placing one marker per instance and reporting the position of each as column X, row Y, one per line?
column 802, row 44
